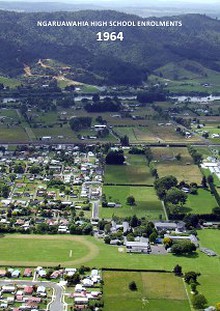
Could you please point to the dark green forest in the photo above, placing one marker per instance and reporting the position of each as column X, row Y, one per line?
column 143, row 50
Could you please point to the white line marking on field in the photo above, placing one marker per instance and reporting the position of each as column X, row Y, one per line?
column 71, row 253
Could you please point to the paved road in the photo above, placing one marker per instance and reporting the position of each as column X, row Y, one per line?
column 95, row 209
column 56, row 305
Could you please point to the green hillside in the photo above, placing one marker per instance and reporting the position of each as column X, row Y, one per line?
column 193, row 47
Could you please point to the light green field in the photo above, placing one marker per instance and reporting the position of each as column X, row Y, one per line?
column 147, row 203
column 101, row 255
column 135, row 171
column 41, row 249
column 155, row 291
column 203, row 203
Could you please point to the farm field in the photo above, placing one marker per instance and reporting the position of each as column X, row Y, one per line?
column 155, row 291
column 153, row 134
column 135, row 171
column 183, row 169
column 147, row 203
column 12, row 134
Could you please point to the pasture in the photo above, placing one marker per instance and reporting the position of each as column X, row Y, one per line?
column 147, row 204
column 184, row 169
column 135, row 171
column 155, row 291
column 202, row 203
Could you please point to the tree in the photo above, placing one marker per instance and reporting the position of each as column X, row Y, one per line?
column 178, row 157
column 153, row 237
column 199, row 301
column 204, row 182
column 193, row 288
column 79, row 123
column 216, row 210
column 177, row 270
column 148, row 154
column 131, row 200
column 182, row 248
column 124, row 140
column 166, row 182
column 167, row 242
column 134, row 222
column 115, row 158
column 176, row 196
column 132, row 286
column 191, row 277
column 210, row 179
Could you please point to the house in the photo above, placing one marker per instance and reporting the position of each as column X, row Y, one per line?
column 70, row 271
column 81, row 301
column 15, row 274
column 87, row 282
column 55, row 274
column 170, row 226
column 2, row 273
column 27, row 272
column 192, row 238
column 79, row 288
column 8, row 288
column 42, row 273
column 137, row 246
column 41, row 289
column 28, row 290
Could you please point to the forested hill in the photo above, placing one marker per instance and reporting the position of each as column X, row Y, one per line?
column 143, row 50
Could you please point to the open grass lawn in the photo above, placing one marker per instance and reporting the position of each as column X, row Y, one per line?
column 210, row 238
column 155, row 291
column 44, row 250
column 184, row 169
column 135, row 171
column 13, row 251
column 147, row 203
column 13, row 134
column 203, row 203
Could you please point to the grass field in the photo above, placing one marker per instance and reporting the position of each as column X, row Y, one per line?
column 13, row 134
column 153, row 134
column 147, row 203
column 102, row 255
column 203, row 203
column 183, row 169
column 155, row 291
column 135, row 171
column 44, row 250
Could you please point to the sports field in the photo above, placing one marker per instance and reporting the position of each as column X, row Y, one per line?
column 45, row 250
column 155, row 291
column 94, row 253
column 147, row 203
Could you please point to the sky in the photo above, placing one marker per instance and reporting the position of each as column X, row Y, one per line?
column 146, row 2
